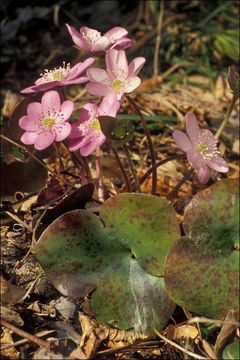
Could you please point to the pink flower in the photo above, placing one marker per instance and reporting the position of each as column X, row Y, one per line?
column 61, row 76
column 92, row 40
column 119, row 78
column 86, row 133
column 46, row 122
column 201, row 148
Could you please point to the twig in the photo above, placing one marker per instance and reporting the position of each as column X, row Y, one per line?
column 170, row 342
column 203, row 320
column 158, row 40
column 150, row 144
column 24, row 341
column 19, row 221
column 31, row 287
column 181, row 182
column 121, row 168
column 36, row 159
column 26, row 335
column 99, row 175
column 159, row 163
column 133, row 171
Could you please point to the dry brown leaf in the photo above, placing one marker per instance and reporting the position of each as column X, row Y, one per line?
column 187, row 331
column 228, row 331
column 10, row 353
column 94, row 333
column 10, row 294
column 10, row 315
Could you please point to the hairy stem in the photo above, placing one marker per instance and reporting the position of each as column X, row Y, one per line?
column 150, row 144
column 99, row 175
column 226, row 118
column 134, row 174
column 174, row 192
column 122, row 169
column 159, row 163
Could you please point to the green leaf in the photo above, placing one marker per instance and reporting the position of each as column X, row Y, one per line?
column 232, row 351
column 117, row 131
column 119, row 256
column 202, row 268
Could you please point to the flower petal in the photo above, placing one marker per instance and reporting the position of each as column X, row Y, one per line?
column 88, row 112
column 42, row 87
column 27, row 123
column 218, row 164
column 97, row 89
column 51, row 102
column 77, row 37
column 34, row 111
column 29, row 138
column 97, row 74
column 109, row 105
column 122, row 44
column 44, row 140
column 135, row 66
column 182, row 140
column 75, row 144
column 132, row 84
column 116, row 33
column 102, row 44
column 67, row 109
column 93, row 144
column 116, row 61
column 62, row 131
column 203, row 174
column 192, row 127
column 195, row 159
column 79, row 68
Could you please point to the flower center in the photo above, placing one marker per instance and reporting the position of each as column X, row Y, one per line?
column 96, row 125
column 58, row 74
column 117, row 84
column 48, row 122
column 202, row 148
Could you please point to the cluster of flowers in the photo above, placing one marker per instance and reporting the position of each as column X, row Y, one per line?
column 48, row 121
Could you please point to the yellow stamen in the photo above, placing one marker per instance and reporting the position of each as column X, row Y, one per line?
column 96, row 125
column 202, row 148
column 117, row 84
column 49, row 122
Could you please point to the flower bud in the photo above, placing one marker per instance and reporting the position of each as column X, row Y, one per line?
column 233, row 80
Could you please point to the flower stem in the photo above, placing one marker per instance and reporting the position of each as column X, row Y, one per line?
column 99, row 175
column 122, row 169
column 150, row 144
column 159, row 163
column 174, row 192
column 136, row 181
column 226, row 118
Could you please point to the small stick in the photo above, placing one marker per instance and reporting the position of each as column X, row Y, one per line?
column 158, row 40
column 19, row 221
column 36, row 159
column 24, row 334
column 181, row 182
column 99, row 175
column 122, row 168
column 24, row 341
column 170, row 342
column 150, row 144
column 203, row 320
column 128, row 155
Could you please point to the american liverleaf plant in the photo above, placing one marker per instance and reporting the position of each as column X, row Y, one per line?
column 118, row 257
column 202, row 268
